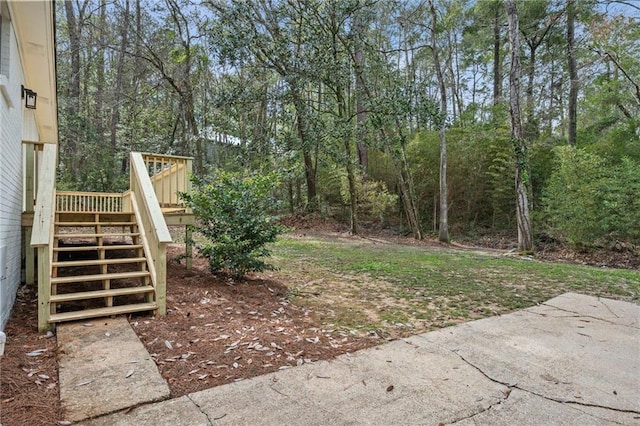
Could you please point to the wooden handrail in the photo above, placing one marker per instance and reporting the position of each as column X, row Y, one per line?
column 44, row 209
column 154, row 229
column 42, row 235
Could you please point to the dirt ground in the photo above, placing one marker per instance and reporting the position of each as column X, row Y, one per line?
column 217, row 330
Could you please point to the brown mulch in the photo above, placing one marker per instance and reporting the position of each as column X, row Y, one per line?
column 219, row 330
column 29, row 393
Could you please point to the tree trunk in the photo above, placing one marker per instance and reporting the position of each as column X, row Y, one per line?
column 522, row 181
column 99, row 117
column 443, row 234
column 343, row 115
column 530, row 128
column 115, row 107
column 361, row 115
column 73, row 103
column 573, row 73
column 497, row 65
column 309, row 168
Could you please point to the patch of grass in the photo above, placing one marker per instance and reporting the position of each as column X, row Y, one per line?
column 366, row 283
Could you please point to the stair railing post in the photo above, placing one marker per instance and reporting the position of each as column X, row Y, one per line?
column 44, row 287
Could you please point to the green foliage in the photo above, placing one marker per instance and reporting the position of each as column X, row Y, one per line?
column 589, row 202
column 234, row 212
column 374, row 200
column 480, row 176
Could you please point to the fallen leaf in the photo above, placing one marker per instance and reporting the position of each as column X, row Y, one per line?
column 168, row 344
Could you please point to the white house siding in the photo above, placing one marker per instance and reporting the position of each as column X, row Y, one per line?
column 11, row 128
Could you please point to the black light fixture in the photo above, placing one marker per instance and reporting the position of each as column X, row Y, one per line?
column 30, row 97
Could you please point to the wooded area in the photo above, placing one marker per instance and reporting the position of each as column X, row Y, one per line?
column 450, row 117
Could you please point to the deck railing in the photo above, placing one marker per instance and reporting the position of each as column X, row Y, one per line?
column 170, row 175
column 94, row 202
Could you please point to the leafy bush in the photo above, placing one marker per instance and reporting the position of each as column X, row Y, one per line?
column 589, row 202
column 234, row 216
column 374, row 199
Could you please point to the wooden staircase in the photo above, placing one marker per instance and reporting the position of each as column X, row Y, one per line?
column 98, row 267
column 102, row 254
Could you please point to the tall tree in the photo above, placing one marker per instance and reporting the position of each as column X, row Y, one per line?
column 74, row 29
column 115, row 106
column 522, row 180
column 573, row 72
column 497, row 63
column 537, row 22
column 443, row 231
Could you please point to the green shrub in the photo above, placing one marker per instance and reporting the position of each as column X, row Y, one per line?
column 374, row 199
column 589, row 202
column 234, row 212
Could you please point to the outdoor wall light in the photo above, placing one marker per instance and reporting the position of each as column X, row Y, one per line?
column 29, row 97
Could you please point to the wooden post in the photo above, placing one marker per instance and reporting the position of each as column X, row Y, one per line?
column 187, row 177
column 189, row 247
column 187, row 189
column 44, row 267
column 161, row 279
column 30, row 257
column 30, row 175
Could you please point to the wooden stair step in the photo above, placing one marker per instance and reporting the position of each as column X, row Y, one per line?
column 98, row 277
column 94, row 217
column 90, row 248
column 102, row 312
column 91, row 224
column 99, row 262
column 83, row 295
column 101, row 235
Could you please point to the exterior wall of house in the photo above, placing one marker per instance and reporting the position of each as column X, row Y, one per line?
column 11, row 161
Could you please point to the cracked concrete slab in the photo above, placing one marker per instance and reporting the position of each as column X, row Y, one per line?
column 523, row 408
column 614, row 311
column 179, row 411
column 572, row 360
column 577, row 358
column 397, row 383
column 103, row 367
